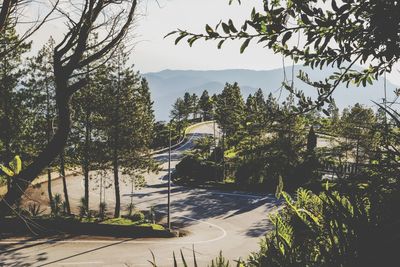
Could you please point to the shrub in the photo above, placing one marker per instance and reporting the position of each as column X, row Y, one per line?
column 57, row 205
column 330, row 229
column 219, row 261
column 137, row 216
column 196, row 170
column 83, row 209
column 102, row 210
column 34, row 209
column 152, row 215
column 131, row 209
column 119, row 221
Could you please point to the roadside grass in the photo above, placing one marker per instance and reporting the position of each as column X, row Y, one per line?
column 129, row 222
column 111, row 227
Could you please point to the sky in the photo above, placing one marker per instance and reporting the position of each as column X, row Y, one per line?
column 152, row 53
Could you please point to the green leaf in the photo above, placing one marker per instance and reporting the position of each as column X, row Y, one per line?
column 326, row 112
column 183, row 260
column 171, row 33
column 232, row 27
column 263, row 27
column 225, row 27
column 16, row 165
column 6, row 170
column 334, row 6
column 220, row 44
column 286, row 37
column 369, row 79
column 209, row 30
column 244, row 45
column 192, row 40
column 183, row 35
column 305, row 19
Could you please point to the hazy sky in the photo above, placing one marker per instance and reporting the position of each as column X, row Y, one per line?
column 154, row 53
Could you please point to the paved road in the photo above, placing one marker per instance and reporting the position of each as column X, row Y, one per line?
column 214, row 221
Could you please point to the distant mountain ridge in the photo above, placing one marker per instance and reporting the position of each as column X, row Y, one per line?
column 167, row 85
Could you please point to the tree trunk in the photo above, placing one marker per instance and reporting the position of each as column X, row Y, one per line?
column 116, row 186
column 51, row 202
column 86, row 161
column 116, row 147
column 62, row 173
column 48, row 137
column 51, row 151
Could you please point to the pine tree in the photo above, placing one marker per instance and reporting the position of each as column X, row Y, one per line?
column 194, row 102
column 178, row 115
column 230, row 110
column 12, row 112
column 39, row 93
column 187, row 104
column 128, row 124
column 85, row 105
column 205, row 105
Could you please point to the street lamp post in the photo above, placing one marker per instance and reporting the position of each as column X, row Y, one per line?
column 169, row 180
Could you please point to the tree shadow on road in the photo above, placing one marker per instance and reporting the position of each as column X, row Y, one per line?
column 203, row 205
column 12, row 255
column 18, row 259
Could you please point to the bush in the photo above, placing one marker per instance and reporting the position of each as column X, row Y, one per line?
column 57, row 205
column 332, row 229
column 102, row 210
column 34, row 209
column 196, row 171
column 137, row 216
column 131, row 209
column 119, row 221
column 83, row 210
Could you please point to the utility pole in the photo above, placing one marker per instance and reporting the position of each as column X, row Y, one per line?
column 169, row 180
column 215, row 152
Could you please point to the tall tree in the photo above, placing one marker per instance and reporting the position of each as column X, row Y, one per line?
column 205, row 105
column 187, row 104
column 230, row 110
column 39, row 91
column 194, row 101
column 178, row 115
column 11, row 108
column 128, row 124
column 95, row 16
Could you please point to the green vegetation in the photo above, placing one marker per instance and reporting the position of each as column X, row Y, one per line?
column 112, row 127
column 120, row 221
column 36, row 109
column 349, row 222
column 77, row 103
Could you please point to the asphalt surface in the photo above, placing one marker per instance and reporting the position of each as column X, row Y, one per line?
column 214, row 221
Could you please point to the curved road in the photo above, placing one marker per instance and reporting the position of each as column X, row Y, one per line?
column 213, row 220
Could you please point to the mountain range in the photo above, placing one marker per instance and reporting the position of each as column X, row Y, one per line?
column 167, row 85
